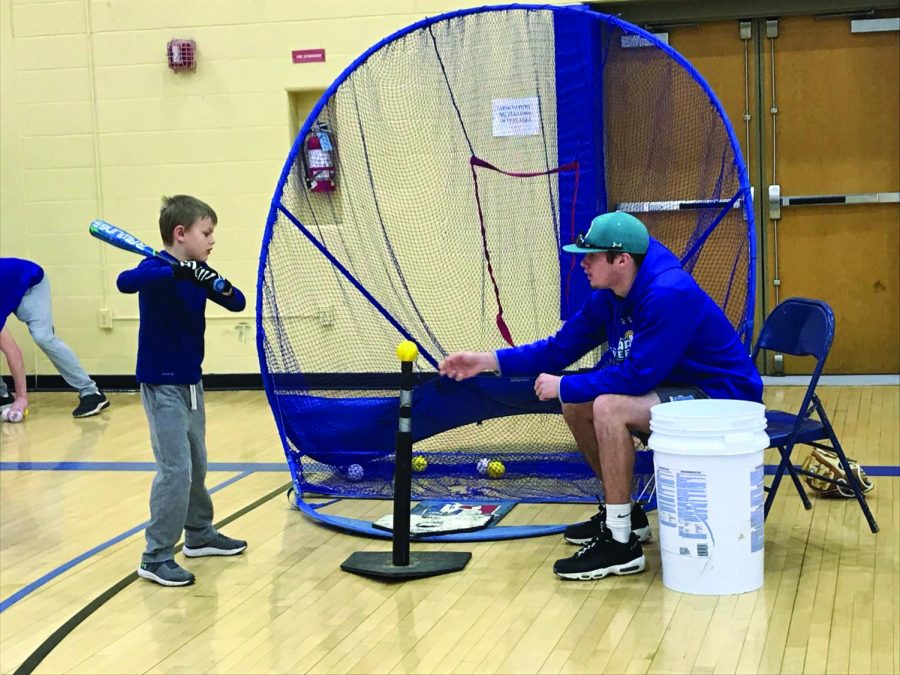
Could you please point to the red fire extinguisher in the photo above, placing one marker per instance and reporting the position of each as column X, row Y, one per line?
column 320, row 171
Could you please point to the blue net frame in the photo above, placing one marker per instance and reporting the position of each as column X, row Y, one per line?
column 613, row 118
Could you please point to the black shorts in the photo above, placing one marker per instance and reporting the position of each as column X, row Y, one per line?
column 669, row 394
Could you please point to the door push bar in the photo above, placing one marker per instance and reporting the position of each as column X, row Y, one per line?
column 776, row 201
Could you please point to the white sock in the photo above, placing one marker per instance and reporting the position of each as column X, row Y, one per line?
column 618, row 520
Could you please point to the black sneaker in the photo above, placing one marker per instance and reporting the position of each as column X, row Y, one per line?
column 91, row 404
column 601, row 557
column 582, row 533
column 166, row 573
column 220, row 545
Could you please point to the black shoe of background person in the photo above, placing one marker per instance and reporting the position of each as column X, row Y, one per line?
column 6, row 400
column 602, row 557
column 91, row 404
column 582, row 533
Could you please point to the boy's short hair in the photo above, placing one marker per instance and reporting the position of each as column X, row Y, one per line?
column 181, row 210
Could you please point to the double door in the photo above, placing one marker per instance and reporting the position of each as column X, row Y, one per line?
column 816, row 108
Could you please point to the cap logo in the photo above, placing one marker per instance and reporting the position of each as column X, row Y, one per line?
column 616, row 244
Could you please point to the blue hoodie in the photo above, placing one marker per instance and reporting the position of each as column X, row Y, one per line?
column 173, row 321
column 16, row 277
column 667, row 332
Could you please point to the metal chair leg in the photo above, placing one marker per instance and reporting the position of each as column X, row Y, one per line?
column 851, row 477
column 773, row 488
column 785, row 465
column 792, row 470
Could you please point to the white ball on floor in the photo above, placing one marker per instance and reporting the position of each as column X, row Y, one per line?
column 11, row 415
column 355, row 473
column 482, row 466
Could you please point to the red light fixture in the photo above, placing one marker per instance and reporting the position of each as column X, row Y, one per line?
column 182, row 55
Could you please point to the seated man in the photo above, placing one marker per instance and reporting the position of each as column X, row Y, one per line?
column 667, row 341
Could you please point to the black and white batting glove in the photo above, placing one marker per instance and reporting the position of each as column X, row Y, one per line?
column 185, row 269
column 203, row 275
column 207, row 277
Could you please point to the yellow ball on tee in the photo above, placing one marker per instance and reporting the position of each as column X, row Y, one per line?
column 407, row 351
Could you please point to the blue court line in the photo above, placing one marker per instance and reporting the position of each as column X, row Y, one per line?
column 136, row 466
column 247, row 468
column 872, row 470
column 34, row 585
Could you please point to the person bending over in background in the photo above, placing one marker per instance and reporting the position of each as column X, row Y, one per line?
column 667, row 341
column 172, row 299
column 26, row 293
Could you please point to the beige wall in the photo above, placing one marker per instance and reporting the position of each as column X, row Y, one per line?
column 94, row 124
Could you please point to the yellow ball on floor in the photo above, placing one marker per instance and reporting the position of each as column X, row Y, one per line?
column 407, row 351
column 419, row 463
column 495, row 469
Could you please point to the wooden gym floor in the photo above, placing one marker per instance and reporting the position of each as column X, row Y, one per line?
column 70, row 533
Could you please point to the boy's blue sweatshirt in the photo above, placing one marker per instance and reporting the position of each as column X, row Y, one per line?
column 16, row 277
column 173, row 321
column 666, row 332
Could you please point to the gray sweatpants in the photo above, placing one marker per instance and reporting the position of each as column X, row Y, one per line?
column 36, row 311
column 179, row 499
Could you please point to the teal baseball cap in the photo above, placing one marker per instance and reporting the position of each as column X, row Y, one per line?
column 616, row 231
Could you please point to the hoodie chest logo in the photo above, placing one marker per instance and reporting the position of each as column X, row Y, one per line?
column 621, row 350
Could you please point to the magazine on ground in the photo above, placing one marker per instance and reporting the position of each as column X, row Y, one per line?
column 444, row 517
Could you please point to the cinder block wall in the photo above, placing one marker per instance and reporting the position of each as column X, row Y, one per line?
column 94, row 124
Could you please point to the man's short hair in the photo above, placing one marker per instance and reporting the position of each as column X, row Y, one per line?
column 637, row 257
column 182, row 210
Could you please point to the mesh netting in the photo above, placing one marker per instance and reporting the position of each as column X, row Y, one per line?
column 467, row 148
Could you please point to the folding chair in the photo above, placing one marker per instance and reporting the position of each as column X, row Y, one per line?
column 804, row 327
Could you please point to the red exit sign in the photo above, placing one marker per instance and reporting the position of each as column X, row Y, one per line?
column 308, row 55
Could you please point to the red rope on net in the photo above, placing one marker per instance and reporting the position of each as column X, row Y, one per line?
column 476, row 161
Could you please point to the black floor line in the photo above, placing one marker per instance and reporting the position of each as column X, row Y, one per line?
column 48, row 645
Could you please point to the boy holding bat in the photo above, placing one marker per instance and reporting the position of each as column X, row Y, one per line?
column 172, row 292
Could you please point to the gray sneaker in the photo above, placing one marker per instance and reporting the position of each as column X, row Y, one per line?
column 166, row 573
column 219, row 545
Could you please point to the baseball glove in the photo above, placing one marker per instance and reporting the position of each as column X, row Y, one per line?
column 824, row 464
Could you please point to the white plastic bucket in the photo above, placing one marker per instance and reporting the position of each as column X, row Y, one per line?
column 708, row 456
